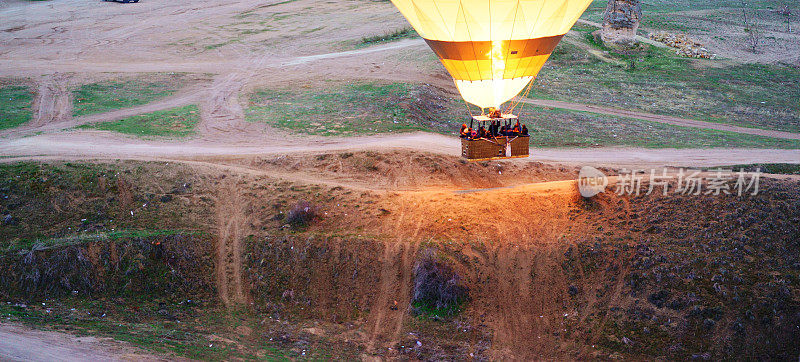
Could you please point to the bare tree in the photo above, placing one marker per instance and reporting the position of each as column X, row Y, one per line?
column 751, row 26
column 785, row 11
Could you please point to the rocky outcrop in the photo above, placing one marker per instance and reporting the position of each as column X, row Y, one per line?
column 684, row 45
column 620, row 23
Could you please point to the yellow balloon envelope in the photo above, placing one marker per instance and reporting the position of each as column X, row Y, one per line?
column 492, row 48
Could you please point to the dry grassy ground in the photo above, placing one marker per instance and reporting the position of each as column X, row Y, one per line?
column 221, row 270
column 156, row 156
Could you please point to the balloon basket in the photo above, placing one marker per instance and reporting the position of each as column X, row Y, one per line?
column 495, row 148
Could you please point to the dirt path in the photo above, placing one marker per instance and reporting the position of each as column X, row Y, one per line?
column 190, row 95
column 54, row 109
column 53, row 101
column 675, row 121
column 269, row 63
column 232, row 223
column 394, row 298
column 19, row 343
column 221, row 113
column 573, row 37
column 103, row 145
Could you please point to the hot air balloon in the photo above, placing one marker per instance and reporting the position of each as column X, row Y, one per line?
column 493, row 49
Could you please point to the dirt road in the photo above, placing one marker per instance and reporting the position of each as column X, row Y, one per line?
column 102, row 145
column 19, row 343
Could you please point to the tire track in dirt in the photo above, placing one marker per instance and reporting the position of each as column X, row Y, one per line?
column 388, row 313
column 613, row 301
column 232, row 221
column 386, row 318
column 222, row 114
column 526, row 309
column 53, row 101
column 54, row 109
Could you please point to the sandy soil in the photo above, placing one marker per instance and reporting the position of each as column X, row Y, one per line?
column 19, row 343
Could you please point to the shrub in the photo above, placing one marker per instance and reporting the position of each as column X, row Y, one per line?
column 437, row 288
column 302, row 214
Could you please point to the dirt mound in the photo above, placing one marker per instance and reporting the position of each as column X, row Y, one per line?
column 549, row 274
column 406, row 170
column 109, row 266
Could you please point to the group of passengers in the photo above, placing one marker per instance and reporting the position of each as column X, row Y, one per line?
column 496, row 129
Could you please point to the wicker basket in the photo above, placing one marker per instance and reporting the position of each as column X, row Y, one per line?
column 483, row 149
column 520, row 146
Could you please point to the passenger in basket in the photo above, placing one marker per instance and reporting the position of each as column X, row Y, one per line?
column 524, row 130
column 481, row 132
column 517, row 128
column 503, row 131
column 464, row 131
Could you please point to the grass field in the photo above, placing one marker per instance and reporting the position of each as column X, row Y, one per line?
column 346, row 109
column 23, row 245
column 372, row 108
column 665, row 6
column 15, row 104
column 198, row 329
column 172, row 123
column 657, row 81
column 124, row 92
column 561, row 128
column 396, row 35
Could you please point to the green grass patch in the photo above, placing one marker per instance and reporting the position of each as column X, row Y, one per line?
column 351, row 109
column 136, row 322
column 773, row 168
column 563, row 128
column 173, row 123
column 124, row 93
column 403, row 33
column 56, row 200
column 372, row 108
column 656, row 81
column 15, row 105
column 219, row 45
column 429, row 311
column 667, row 6
column 17, row 245
column 198, row 330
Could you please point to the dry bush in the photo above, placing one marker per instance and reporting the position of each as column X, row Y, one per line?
column 302, row 214
column 64, row 271
column 437, row 287
column 160, row 265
